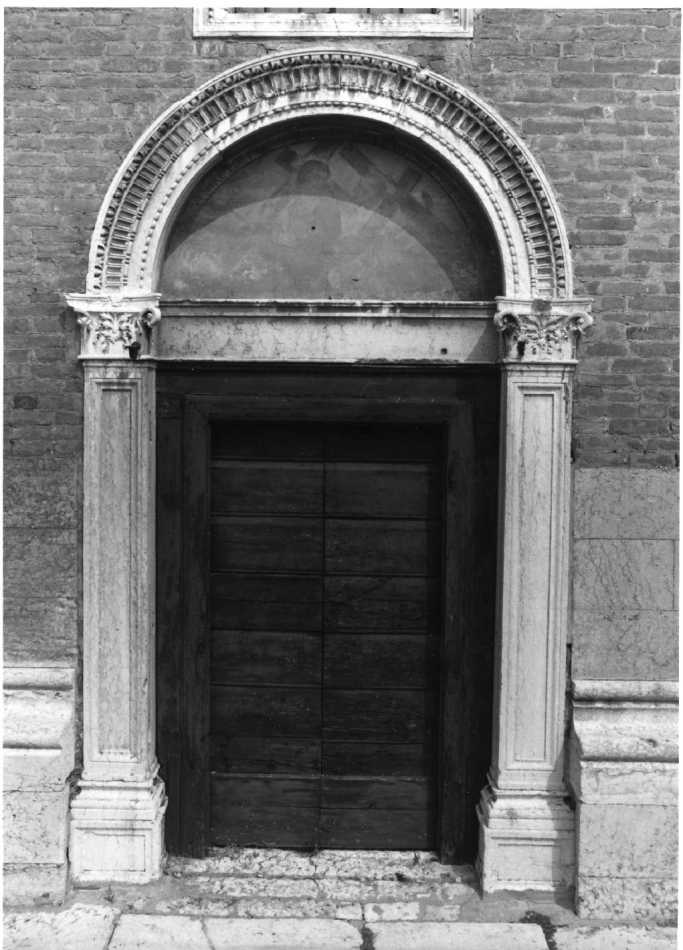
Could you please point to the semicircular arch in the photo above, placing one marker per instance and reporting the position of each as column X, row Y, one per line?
column 171, row 156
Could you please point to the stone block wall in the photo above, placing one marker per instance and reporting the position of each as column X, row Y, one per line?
column 594, row 95
column 38, row 759
column 624, row 744
column 625, row 574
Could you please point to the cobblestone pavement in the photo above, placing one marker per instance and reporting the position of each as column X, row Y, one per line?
column 250, row 899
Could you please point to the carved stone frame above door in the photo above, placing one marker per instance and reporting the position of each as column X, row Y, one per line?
column 526, row 825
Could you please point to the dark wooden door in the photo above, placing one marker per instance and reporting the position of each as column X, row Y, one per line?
column 325, row 558
column 325, row 605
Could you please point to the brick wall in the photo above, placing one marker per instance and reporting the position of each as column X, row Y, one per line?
column 593, row 93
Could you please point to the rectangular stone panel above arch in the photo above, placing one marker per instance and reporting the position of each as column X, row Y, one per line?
column 314, row 22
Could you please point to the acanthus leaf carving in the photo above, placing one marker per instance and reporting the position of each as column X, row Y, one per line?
column 115, row 328
column 541, row 330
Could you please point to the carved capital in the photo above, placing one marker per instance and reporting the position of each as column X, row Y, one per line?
column 541, row 330
column 115, row 327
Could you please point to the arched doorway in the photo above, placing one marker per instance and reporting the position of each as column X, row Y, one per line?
column 340, row 628
column 526, row 827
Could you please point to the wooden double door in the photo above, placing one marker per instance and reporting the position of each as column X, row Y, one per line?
column 324, row 602
column 317, row 654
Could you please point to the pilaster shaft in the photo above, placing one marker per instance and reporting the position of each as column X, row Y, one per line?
column 526, row 826
column 117, row 813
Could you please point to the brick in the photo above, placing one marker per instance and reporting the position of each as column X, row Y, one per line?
column 600, row 80
column 606, row 222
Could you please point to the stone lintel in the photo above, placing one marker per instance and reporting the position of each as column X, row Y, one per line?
column 115, row 326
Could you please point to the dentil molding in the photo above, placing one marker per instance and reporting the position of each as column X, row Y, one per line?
column 541, row 330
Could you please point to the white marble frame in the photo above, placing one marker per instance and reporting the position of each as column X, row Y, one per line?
column 447, row 22
column 526, row 826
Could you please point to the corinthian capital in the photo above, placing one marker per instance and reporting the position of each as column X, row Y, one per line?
column 115, row 327
column 541, row 330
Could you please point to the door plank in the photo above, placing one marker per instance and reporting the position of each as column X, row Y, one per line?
column 255, row 487
column 379, row 758
column 378, row 443
column 260, row 754
column 268, row 440
column 381, row 604
column 374, row 829
column 266, row 543
column 264, row 811
column 266, row 711
column 266, row 602
column 382, row 793
column 383, row 547
column 249, row 657
column 382, row 490
column 379, row 715
column 381, row 661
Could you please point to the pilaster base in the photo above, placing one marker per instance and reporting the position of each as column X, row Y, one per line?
column 526, row 841
column 117, row 832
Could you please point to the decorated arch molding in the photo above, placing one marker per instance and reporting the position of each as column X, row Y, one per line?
column 170, row 156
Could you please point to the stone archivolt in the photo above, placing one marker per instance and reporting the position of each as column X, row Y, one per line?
column 389, row 89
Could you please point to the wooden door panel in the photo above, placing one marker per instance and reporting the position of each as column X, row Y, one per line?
column 265, row 811
column 275, row 711
column 383, row 715
column 230, row 753
column 266, row 602
column 250, row 657
column 378, row 758
column 382, row 490
column 378, row 443
column 266, row 543
column 266, row 440
column 279, row 488
column 380, row 661
column 376, row 829
column 381, row 604
column 388, row 793
column 382, row 547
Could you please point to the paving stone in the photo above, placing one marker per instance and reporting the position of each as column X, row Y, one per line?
column 404, row 890
column 37, row 884
column 256, row 887
column 147, row 932
column 449, row 936
column 289, row 934
column 440, row 912
column 349, row 912
column 396, row 910
column 79, row 927
column 303, row 907
column 615, row 938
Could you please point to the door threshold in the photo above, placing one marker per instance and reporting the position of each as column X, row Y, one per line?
column 401, row 866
